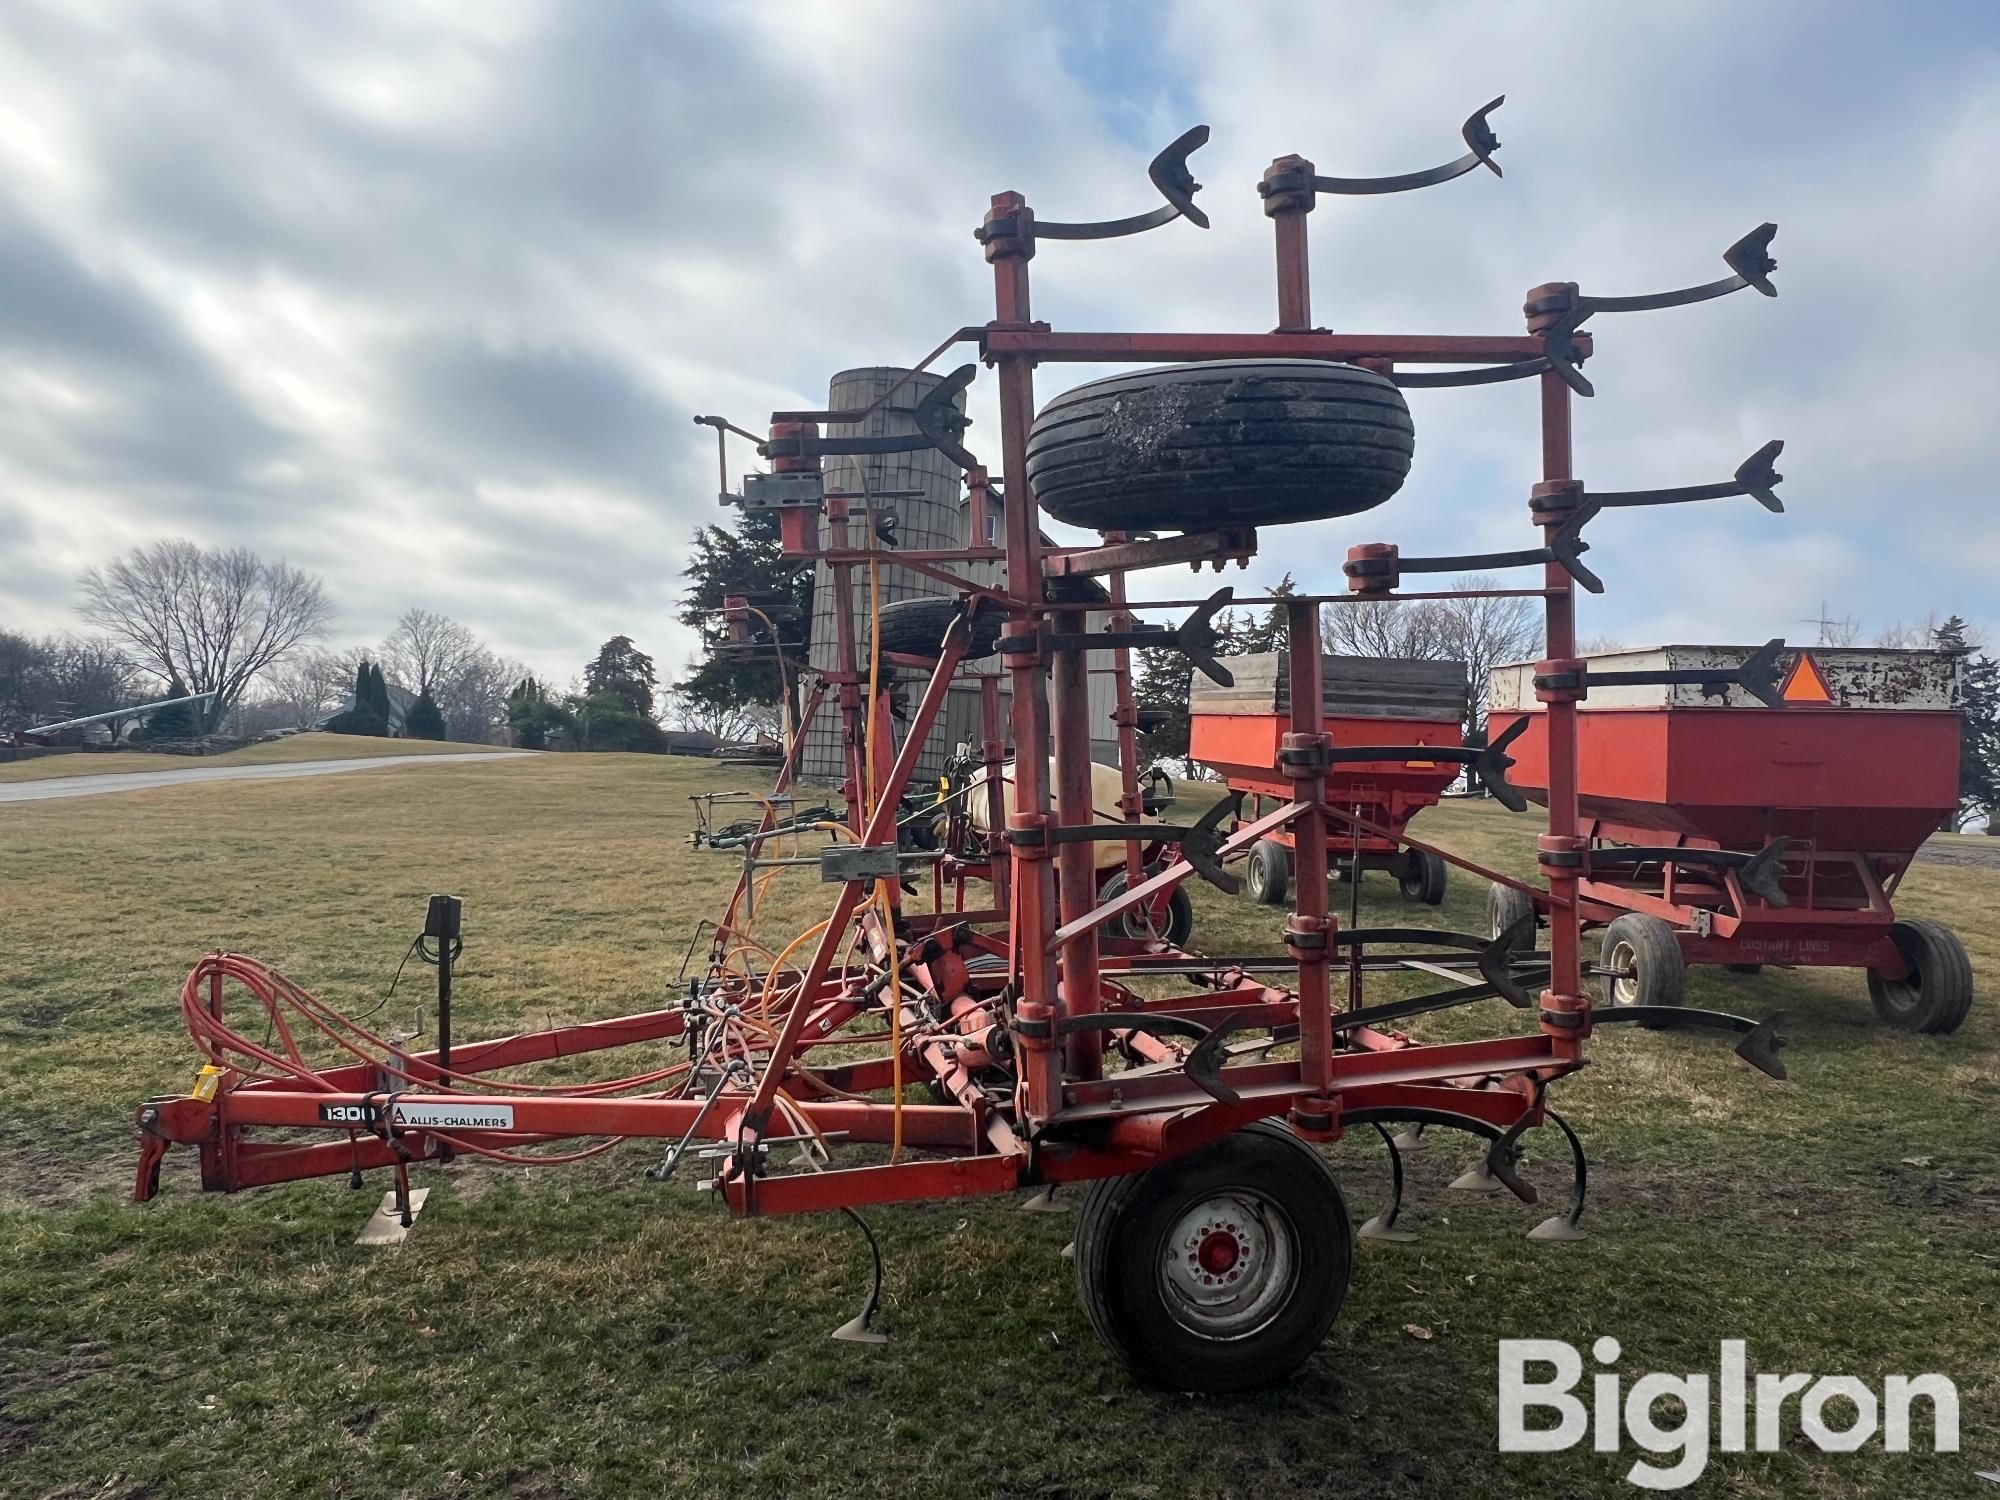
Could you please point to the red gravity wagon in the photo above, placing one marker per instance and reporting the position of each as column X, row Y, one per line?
column 1745, row 825
column 1398, row 707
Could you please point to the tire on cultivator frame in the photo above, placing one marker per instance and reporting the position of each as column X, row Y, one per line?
column 916, row 627
column 1645, row 963
column 1221, row 1270
column 1423, row 877
column 1269, row 872
column 1935, row 995
column 1228, row 442
column 1132, row 922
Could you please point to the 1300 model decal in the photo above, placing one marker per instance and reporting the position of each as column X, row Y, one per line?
column 422, row 1116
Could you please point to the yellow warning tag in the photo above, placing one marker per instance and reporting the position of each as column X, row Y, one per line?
column 1420, row 765
column 207, row 1082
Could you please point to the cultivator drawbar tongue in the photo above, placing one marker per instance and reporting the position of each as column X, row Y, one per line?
column 1006, row 989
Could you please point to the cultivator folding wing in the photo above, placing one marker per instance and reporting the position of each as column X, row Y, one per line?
column 1057, row 1032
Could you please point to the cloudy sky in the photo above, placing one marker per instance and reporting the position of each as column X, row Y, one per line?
column 422, row 296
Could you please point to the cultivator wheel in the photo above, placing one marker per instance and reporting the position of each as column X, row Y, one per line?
column 1221, row 1270
column 1175, row 929
column 916, row 627
column 1642, row 963
column 1505, row 907
column 1269, row 875
column 1423, row 878
column 1934, row 996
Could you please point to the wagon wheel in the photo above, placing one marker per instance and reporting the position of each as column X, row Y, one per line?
column 1423, row 878
column 1270, row 872
column 1505, row 906
column 1642, row 961
column 1221, row 1270
column 1135, row 922
column 1935, row 993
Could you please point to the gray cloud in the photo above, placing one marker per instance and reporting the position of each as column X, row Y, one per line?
column 423, row 298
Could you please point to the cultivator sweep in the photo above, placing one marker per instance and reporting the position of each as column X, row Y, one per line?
column 1047, row 1005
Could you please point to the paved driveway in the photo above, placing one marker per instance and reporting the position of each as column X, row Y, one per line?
column 143, row 781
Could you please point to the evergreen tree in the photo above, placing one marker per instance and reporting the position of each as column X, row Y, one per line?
column 747, row 561
column 532, row 717
column 1979, row 733
column 363, row 716
column 177, row 723
column 1162, row 680
column 604, row 721
column 626, row 673
column 423, row 721
column 378, row 695
column 1257, row 635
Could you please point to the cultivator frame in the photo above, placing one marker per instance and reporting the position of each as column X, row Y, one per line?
column 1008, row 1013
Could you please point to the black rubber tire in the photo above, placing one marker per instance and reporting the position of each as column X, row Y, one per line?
column 1241, row 442
column 1121, row 1245
column 1935, row 996
column 1269, row 872
column 1504, row 907
column 916, row 627
column 1423, row 878
column 1649, row 948
column 1132, row 923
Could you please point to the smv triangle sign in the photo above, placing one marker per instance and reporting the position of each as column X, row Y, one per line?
column 1805, row 683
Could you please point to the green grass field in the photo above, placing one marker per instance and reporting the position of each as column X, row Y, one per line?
column 583, row 1331
column 295, row 747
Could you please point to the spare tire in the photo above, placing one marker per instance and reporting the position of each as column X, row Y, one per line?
column 916, row 627
column 1227, row 442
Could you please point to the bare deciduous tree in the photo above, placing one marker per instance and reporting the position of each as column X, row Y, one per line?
column 427, row 649
column 473, row 697
column 61, row 677
column 1924, row 633
column 1481, row 633
column 1385, row 628
column 1484, row 633
column 214, row 617
column 311, row 685
column 699, row 716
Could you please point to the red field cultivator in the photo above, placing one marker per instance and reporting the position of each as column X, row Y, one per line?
column 1748, row 807
column 1054, row 1038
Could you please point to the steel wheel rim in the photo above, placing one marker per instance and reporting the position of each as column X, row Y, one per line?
column 1229, row 1265
column 1905, row 994
column 1624, row 966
